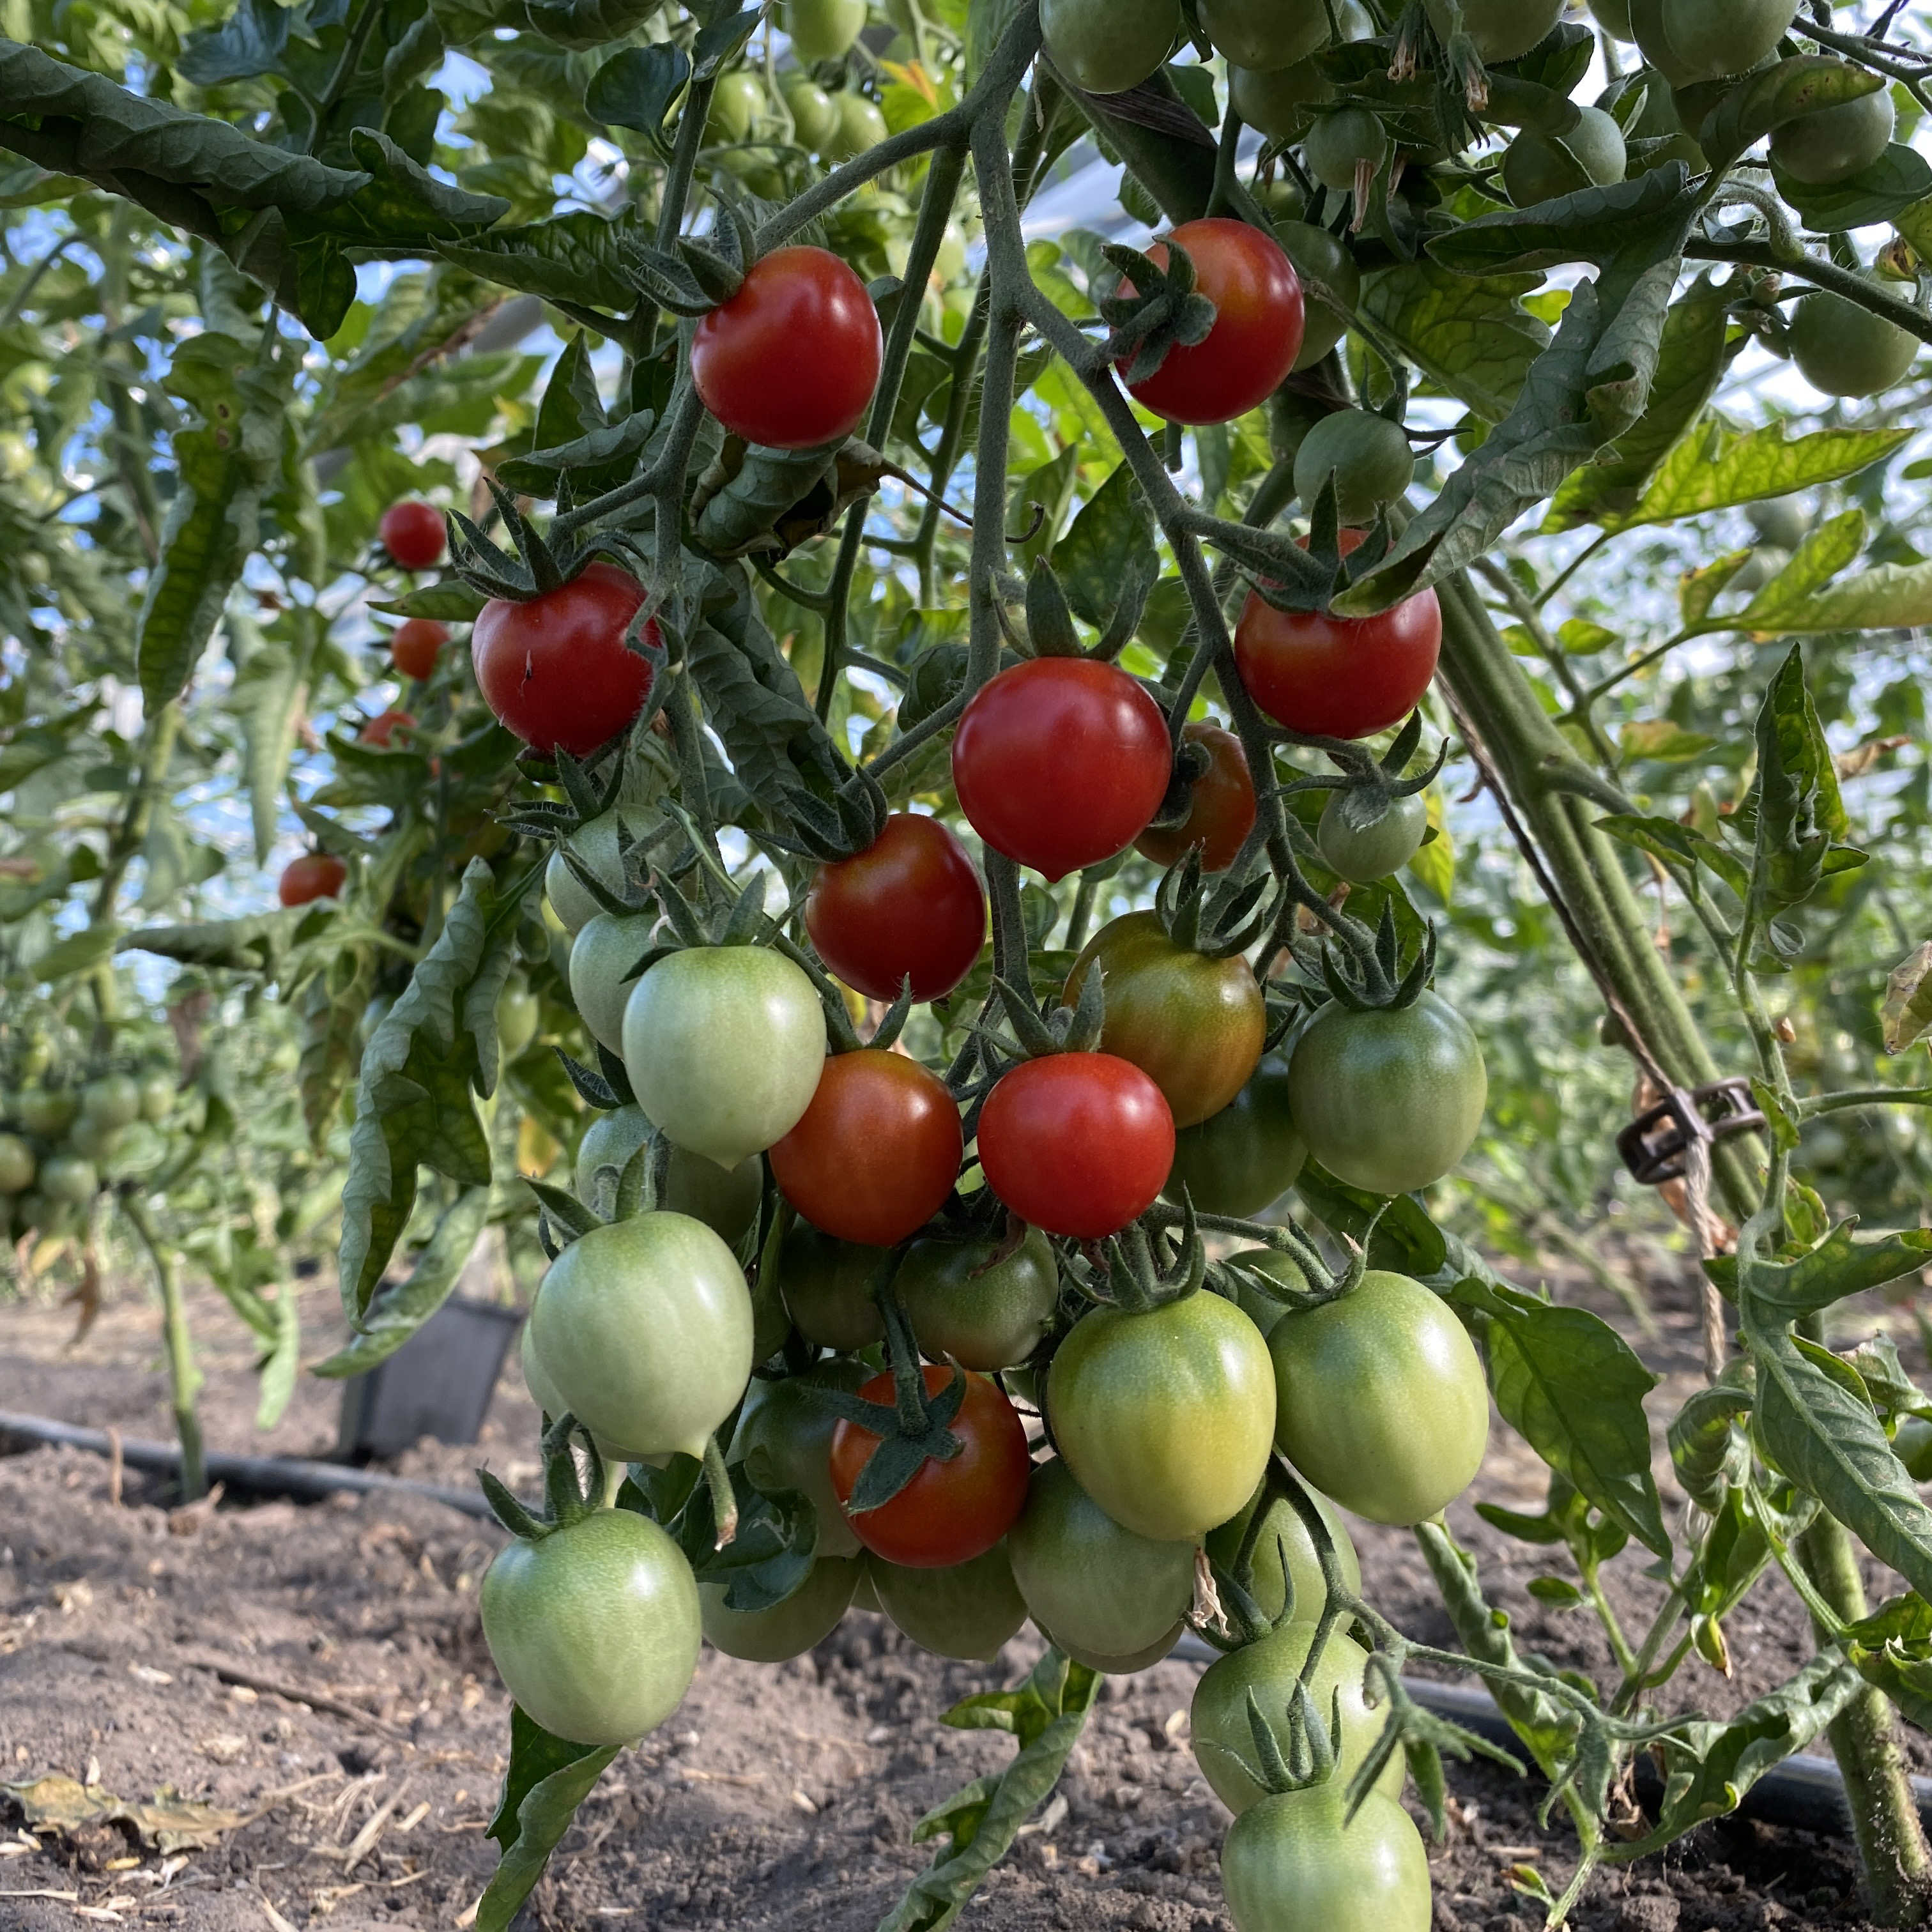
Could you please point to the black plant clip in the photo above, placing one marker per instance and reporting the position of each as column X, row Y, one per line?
column 1656, row 1146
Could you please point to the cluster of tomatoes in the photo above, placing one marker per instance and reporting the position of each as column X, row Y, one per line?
column 59, row 1141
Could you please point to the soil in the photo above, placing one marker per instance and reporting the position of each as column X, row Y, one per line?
column 776, row 1800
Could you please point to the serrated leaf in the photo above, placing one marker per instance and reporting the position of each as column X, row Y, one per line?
column 1681, row 845
column 547, row 1778
column 1663, row 738
column 268, row 695
column 637, row 87
column 572, row 257
column 1907, row 1010
column 1597, row 224
column 452, row 601
column 1838, row 1267
column 1111, row 536
column 1889, row 597
column 1470, row 335
column 249, row 42
column 1800, row 814
column 398, row 1308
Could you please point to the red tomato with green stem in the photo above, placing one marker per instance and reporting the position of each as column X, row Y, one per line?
column 950, row 1512
column 414, row 648
column 555, row 668
column 316, row 875
column 1061, row 763
column 876, row 1153
column 909, row 905
column 1258, row 320
column 1339, row 677
column 791, row 360
column 1079, row 1144
column 1220, row 808
column 412, row 532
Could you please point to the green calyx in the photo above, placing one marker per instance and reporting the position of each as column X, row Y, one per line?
column 1217, row 920
column 1155, row 310
column 569, row 1494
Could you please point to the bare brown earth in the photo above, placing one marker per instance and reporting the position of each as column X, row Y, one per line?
column 776, row 1799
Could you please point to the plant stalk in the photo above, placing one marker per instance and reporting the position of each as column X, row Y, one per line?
column 184, row 1376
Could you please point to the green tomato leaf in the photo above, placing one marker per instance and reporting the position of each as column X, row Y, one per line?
column 1889, row 597
column 547, row 1779
column 1898, row 182
column 572, row 257
column 1110, row 539
column 269, row 695
column 1799, row 814
column 1837, row 1267
column 1786, row 92
column 248, row 42
column 1710, row 1454
column 586, row 24
column 1468, row 334
column 637, row 87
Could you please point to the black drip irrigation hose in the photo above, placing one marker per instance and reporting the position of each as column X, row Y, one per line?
column 1804, row 1792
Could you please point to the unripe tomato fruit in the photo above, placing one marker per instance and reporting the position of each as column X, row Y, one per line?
column 1363, row 853
column 1591, row 154
column 784, row 1442
column 49, row 1111
column 555, row 668
column 112, row 1101
column 1389, row 1100
column 861, row 127
column 1835, row 143
column 1691, row 40
column 821, row 30
column 1246, row 1156
column 1111, row 48
column 1258, row 325
column 1220, row 808
column 413, row 648
column 950, row 1512
column 724, row 1046
column 609, row 947
column 966, row 1612
column 964, row 1300
column 1061, row 763
column 827, row 1288
column 1380, row 1401
column 789, row 1627
column 1842, row 350
column 1339, row 677
column 1263, row 37
column 1194, row 1025
column 874, row 1156
column 1321, row 257
column 381, row 730
column 599, row 846
column 17, row 1165
column 1299, row 1861
column 518, row 1013
column 1503, row 30
column 412, row 532
column 316, row 875
column 1367, row 457
column 1218, row 1726
column 1280, row 104
column 1341, row 143
column 158, row 1097
column 1079, row 1144
column 594, row 1631
column 815, row 114
column 1166, row 1418
column 727, row 1202
column 643, row 1328
column 1283, row 1534
column 910, row 904
column 68, row 1180
column 1784, row 522
column 1105, row 1590
column 1262, row 1309
column 791, row 360
column 736, row 102
column 1614, row 17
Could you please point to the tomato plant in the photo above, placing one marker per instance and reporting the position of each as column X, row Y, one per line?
column 1078, row 1143
column 909, row 907
column 951, row 1511
column 1108, row 49
column 1060, row 763
column 791, row 360
column 557, row 669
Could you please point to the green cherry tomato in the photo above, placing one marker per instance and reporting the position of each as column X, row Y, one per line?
column 1363, row 854
column 1842, row 350
column 815, row 114
column 784, row 1441
column 736, row 102
column 1218, row 1724
column 1503, row 30
column 94, row 1140
column 861, row 128
column 1194, row 1025
column 112, row 1101
column 727, row 1202
column 986, row 1309
column 1297, row 1862
column 594, row 1631
column 1913, row 1445
column 1126, row 1664
column 724, row 1045
column 643, row 1327
column 1693, row 41
column 966, row 1613
column 1834, row 144
column 1264, row 1310
column 49, row 1111
column 789, row 1627
column 1246, row 1156
column 1380, row 1400
column 822, row 30
column 1340, row 142
column 17, row 1165
column 1283, row 1553
column 1365, row 456
column 1781, row 521
column 1539, row 167
column 1281, row 104
column 605, row 951
column 827, row 1286
column 1264, row 38
column 68, row 1180
column 1320, row 259
column 1165, row 1418
column 158, row 1093
column 1388, row 1100
column 1099, row 1589
column 1614, row 17
column 597, row 845
column 518, row 1010
column 1107, row 47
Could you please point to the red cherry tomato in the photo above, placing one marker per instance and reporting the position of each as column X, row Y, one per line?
column 413, row 649
column 792, row 359
column 1079, row 1144
column 556, row 670
column 1220, row 808
column 1258, row 326
column 950, row 1512
column 876, row 1153
column 1059, row 762
column 911, row 903
column 381, row 730
column 314, row 876
column 1339, row 677
column 412, row 533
